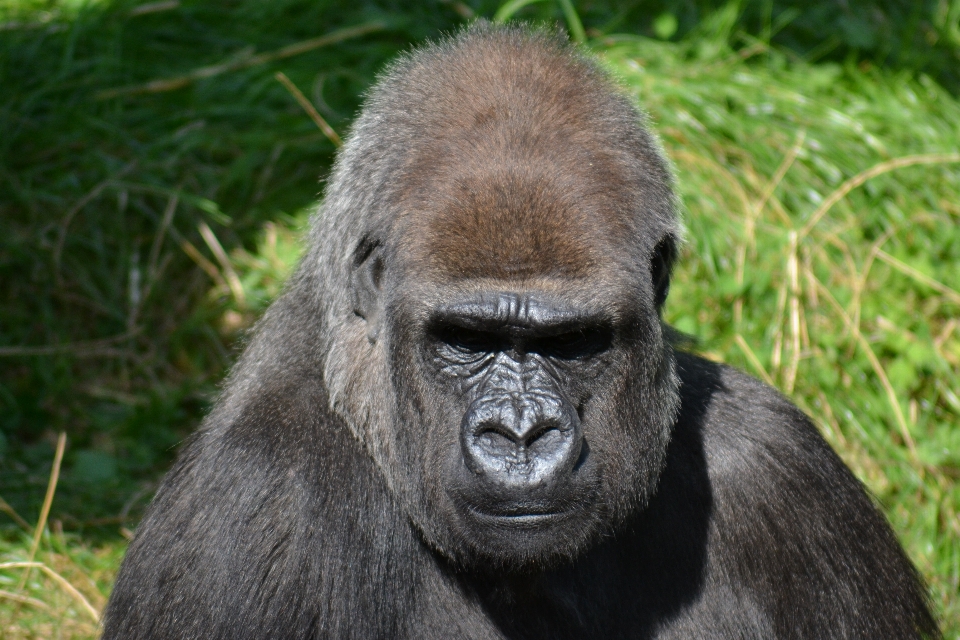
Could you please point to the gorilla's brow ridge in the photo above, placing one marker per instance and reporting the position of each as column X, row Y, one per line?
column 517, row 312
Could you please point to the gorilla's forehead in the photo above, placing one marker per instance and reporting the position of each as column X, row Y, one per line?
column 517, row 198
column 511, row 217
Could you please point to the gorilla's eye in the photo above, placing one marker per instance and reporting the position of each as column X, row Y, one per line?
column 470, row 340
column 663, row 256
column 573, row 345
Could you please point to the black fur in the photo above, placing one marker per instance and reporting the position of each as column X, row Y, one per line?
column 497, row 239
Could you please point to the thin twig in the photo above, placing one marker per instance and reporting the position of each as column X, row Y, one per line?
column 834, row 240
column 831, row 419
column 804, row 265
column 233, row 281
column 782, row 170
column 10, row 511
column 60, row 580
column 873, row 172
column 793, row 275
column 172, row 203
column 153, row 7
column 178, row 82
column 754, row 360
column 77, row 349
column 47, row 501
column 945, row 333
column 16, row 597
column 309, row 108
column 208, row 267
column 917, row 275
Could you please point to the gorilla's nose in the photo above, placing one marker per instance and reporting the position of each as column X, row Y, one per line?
column 521, row 441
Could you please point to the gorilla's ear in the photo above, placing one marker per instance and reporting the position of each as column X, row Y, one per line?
column 366, row 276
column 661, row 264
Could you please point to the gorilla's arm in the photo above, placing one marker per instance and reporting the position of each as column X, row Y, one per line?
column 277, row 515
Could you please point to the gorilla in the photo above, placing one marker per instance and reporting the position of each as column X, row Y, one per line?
column 465, row 418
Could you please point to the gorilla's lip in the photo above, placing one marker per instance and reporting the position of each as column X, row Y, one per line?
column 518, row 518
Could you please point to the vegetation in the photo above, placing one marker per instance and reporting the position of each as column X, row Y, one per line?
column 156, row 175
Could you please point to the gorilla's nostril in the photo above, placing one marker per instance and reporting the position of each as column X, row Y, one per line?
column 498, row 441
column 488, row 431
column 547, row 431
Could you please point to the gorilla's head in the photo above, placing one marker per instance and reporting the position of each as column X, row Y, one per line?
column 493, row 257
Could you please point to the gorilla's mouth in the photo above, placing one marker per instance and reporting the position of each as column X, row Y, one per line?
column 514, row 515
column 522, row 519
column 485, row 504
column 524, row 532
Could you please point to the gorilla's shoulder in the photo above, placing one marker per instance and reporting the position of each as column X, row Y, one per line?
column 749, row 432
column 789, row 522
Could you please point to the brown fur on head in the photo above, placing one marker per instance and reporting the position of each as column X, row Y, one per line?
column 498, row 158
column 522, row 165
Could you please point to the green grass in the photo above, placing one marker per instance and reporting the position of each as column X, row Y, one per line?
column 855, row 315
column 46, row 608
column 106, row 326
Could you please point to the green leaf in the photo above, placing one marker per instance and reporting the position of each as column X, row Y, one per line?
column 665, row 25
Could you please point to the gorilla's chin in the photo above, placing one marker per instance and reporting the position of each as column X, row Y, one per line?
column 522, row 527
column 523, row 541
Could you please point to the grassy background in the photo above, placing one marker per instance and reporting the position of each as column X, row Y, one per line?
column 144, row 227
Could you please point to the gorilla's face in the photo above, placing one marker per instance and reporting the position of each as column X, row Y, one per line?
column 512, row 228
column 514, row 312
column 531, row 417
